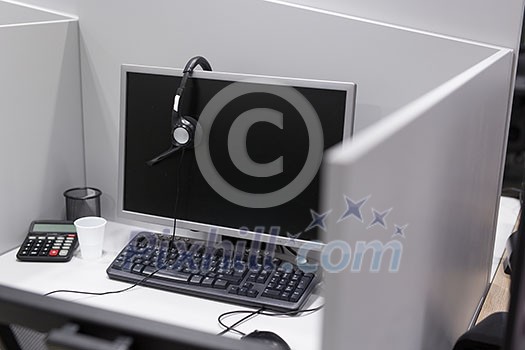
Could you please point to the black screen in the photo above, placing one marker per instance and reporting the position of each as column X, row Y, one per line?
column 151, row 190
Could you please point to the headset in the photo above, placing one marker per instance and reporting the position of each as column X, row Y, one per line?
column 183, row 128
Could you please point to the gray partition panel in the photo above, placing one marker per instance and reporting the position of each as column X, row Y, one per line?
column 426, row 185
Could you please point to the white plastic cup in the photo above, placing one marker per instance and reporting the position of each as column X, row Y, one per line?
column 90, row 232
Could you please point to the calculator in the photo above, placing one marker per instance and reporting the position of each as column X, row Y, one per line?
column 49, row 241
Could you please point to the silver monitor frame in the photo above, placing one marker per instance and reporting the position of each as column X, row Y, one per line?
column 188, row 228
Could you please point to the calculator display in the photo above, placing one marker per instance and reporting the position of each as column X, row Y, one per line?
column 54, row 228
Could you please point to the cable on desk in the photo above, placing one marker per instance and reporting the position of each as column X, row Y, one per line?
column 108, row 292
column 261, row 311
column 250, row 313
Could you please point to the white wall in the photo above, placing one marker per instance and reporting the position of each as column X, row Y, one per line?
column 41, row 138
column 14, row 14
column 390, row 66
column 487, row 21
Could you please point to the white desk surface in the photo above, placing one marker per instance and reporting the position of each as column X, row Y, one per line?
column 303, row 332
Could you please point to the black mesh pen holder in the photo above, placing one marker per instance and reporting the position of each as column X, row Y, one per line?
column 81, row 202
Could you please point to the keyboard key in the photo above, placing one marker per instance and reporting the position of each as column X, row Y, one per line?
column 270, row 293
column 174, row 276
column 207, row 281
column 148, row 270
column 239, row 274
column 261, row 279
column 305, row 281
column 252, row 293
column 196, row 279
column 220, row 284
column 233, row 290
column 137, row 268
column 285, row 296
column 296, row 296
column 231, row 279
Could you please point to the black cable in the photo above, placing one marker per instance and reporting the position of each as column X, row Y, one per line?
column 154, row 272
column 261, row 311
column 251, row 313
column 292, row 313
column 177, row 190
column 105, row 293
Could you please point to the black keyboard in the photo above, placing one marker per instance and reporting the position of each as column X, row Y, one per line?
column 253, row 278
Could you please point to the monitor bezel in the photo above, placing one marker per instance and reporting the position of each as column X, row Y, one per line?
column 199, row 230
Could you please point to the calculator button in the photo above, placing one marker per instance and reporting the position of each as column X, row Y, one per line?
column 53, row 252
column 31, row 237
column 63, row 252
column 51, row 237
column 24, row 252
column 71, row 235
column 33, row 253
column 41, row 237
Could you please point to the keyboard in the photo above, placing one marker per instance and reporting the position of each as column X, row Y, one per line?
column 248, row 277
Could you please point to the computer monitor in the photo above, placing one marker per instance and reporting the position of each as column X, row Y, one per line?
column 254, row 171
column 31, row 321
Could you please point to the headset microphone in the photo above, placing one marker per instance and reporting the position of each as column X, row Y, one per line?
column 183, row 128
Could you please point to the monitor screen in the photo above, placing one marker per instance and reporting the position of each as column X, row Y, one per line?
column 276, row 124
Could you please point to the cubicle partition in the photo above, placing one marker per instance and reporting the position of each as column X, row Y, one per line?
column 419, row 248
column 41, row 138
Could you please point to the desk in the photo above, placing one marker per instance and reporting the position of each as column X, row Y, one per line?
column 303, row 332
column 300, row 332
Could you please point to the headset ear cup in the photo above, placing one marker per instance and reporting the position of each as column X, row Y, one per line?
column 197, row 131
column 183, row 131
